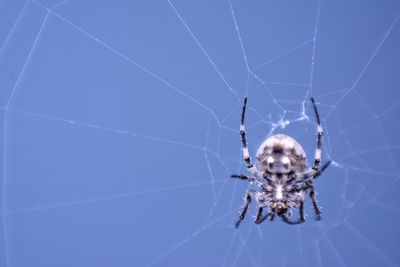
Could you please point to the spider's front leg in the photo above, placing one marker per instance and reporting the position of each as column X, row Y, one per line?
column 246, row 154
column 320, row 133
column 250, row 194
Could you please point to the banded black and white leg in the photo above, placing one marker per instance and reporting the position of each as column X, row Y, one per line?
column 246, row 154
column 320, row 133
column 251, row 194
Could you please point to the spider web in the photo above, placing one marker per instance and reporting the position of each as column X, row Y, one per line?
column 121, row 130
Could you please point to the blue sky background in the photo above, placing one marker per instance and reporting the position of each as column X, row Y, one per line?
column 120, row 130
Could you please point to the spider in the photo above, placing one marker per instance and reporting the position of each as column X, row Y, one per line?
column 281, row 175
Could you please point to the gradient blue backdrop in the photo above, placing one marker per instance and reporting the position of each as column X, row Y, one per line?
column 120, row 130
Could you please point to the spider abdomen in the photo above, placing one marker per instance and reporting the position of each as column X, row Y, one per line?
column 281, row 153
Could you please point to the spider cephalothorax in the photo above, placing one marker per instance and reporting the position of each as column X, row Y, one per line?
column 281, row 174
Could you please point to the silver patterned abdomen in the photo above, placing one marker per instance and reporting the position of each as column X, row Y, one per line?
column 281, row 153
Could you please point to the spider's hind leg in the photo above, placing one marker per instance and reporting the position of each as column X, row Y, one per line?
column 250, row 194
column 315, row 204
column 300, row 220
column 260, row 218
column 289, row 213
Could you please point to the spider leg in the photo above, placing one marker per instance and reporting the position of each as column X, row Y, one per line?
column 270, row 216
column 301, row 219
column 315, row 203
column 248, row 178
column 320, row 133
column 241, row 177
column 322, row 169
column 250, row 194
column 246, row 154
column 312, row 175
column 289, row 213
column 301, row 211
column 260, row 218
